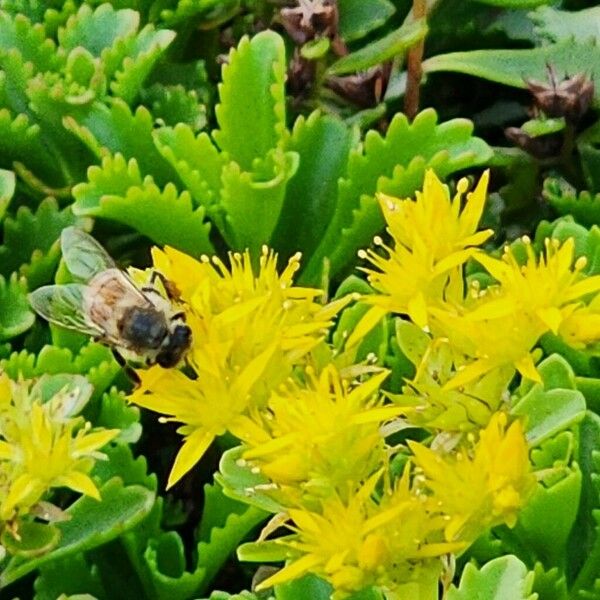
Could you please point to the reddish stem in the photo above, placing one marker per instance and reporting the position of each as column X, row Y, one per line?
column 414, row 70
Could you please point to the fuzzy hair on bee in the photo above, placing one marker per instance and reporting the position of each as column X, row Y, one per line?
column 142, row 323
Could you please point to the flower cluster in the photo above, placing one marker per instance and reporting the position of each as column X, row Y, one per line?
column 44, row 444
column 316, row 432
column 397, row 536
column 485, row 333
column 250, row 328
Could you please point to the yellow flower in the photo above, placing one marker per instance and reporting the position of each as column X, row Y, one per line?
column 432, row 239
column 428, row 402
column 321, row 436
column 582, row 327
column 249, row 330
column 548, row 287
column 489, row 341
column 483, row 484
column 42, row 446
column 363, row 541
column 436, row 224
column 501, row 325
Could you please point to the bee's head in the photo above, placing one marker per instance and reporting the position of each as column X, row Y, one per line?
column 175, row 346
column 144, row 328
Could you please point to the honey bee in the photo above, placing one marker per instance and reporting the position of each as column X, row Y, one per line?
column 139, row 322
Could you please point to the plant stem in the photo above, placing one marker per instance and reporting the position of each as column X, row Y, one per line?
column 414, row 70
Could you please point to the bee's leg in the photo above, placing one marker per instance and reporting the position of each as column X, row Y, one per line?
column 170, row 288
column 129, row 371
column 178, row 316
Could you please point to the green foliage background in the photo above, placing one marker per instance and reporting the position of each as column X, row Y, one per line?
column 119, row 116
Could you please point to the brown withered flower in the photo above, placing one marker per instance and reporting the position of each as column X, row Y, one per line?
column 365, row 89
column 301, row 76
column 542, row 146
column 311, row 19
column 569, row 98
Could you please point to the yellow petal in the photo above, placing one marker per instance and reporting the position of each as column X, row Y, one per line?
column 189, row 454
column 368, row 321
column 292, row 571
column 24, row 489
column 474, row 206
column 95, row 441
column 468, row 374
column 552, row 317
column 6, row 451
column 79, row 482
column 417, row 310
column 526, row 367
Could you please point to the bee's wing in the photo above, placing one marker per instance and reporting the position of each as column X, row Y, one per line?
column 83, row 255
column 63, row 305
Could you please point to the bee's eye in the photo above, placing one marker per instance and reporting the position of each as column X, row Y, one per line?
column 179, row 341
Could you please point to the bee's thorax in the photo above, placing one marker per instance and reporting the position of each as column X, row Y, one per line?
column 143, row 328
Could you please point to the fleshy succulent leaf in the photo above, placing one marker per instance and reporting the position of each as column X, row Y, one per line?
column 92, row 523
column 516, row 67
column 394, row 164
column 116, row 191
column 504, row 577
column 249, row 130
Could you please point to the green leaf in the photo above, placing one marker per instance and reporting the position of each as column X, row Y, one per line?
column 17, row 33
column 93, row 360
column 263, row 551
column 15, row 315
column 20, row 141
column 564, row 199
column 540, row 127
column 148, row 48
column 175, row 104
column 553, row 405
column 358, row 18
column 241, row 596
column 308, row 587
column 116, row 191
column 241, row 483
column 216, row 510
column 198, row 163
column 117, row 130
column 396, row 43
column 554, row 25
column 550, row 584
column 590, row 388
column 116, row 413
column 256, row 69
column 31, row 241
column 555, row 452
column 504, row 578
column 121, row 463
column 323, row 145
column 315, row 49
column 35, row 539
column 394, row 164
column 584, row 542
column 205, row 13
column 97, row 30
column 253, row 202
column 223, row 541
column 163, row 559
column 545, row 522
column 587, row 146
column 7, row 190
column 515, row 67
column 70, row 576
column 92, row 523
